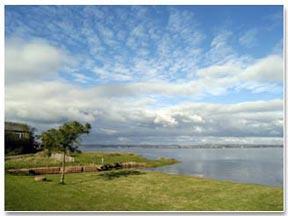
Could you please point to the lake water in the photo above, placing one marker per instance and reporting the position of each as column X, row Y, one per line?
column 247, row 165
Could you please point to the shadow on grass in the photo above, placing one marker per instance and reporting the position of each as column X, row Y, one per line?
column 110, row 175
column 105, row 175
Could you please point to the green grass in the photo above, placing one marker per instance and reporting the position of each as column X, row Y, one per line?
column 85, row 158
column 137, row 190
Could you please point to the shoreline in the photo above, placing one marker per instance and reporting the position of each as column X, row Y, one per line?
column 113, row 166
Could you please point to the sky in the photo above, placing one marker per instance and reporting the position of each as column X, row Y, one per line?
column 148, row 74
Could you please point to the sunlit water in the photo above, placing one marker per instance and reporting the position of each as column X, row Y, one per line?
column 255, row 165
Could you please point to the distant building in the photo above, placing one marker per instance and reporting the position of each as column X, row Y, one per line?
column 18, row 138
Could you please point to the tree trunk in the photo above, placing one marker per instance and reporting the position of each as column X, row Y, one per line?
column 63, row 169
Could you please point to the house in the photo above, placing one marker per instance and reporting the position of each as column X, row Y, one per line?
column 18, row 138
column 21, row 131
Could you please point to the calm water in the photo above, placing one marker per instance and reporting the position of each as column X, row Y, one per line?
column 257, row 165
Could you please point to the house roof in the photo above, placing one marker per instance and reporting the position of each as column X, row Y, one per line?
column 18, row 127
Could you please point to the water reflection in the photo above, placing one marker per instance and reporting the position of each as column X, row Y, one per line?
column 259, row 165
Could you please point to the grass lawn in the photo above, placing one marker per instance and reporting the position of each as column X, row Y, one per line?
column 137, row 190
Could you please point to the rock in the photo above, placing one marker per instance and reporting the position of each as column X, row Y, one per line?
column 117, row 165
column 106, row 167
column 40, row 178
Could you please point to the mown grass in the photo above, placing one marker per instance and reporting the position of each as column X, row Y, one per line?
column 137, row 190
column 85, row 158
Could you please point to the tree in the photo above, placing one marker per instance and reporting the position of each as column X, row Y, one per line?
column 64, row 139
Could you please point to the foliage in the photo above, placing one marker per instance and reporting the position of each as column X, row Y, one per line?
column 65, row 138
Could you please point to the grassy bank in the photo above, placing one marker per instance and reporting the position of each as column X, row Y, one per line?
column 85, row 158
column 137, row 190
column 129, row 190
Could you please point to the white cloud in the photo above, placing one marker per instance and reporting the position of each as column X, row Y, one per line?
column 56, row 102
column 220, row 40
column 108, row 131
column 266, row 69
column 79, row 77
column 249, row 38
column 31, row 61
column 221, row 50
column 258, row 76
column 165, row 119
column 230, row 69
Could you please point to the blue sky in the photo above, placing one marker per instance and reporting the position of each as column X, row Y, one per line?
column 131, row 70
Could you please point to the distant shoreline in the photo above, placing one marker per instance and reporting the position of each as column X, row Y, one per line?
column 198, row 146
